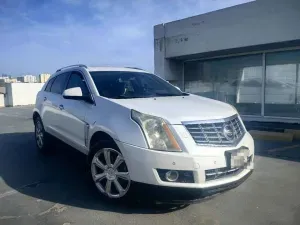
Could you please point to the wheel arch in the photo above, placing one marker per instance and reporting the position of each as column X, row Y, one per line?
column 35, row 115
column 100, row 139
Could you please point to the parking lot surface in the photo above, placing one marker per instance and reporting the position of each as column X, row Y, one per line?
column 56, row 189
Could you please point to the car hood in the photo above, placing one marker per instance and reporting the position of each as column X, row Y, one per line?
column 178, row 109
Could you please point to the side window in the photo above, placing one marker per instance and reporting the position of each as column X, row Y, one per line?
column 77, row 80
column 49, row 84
column 59, row 83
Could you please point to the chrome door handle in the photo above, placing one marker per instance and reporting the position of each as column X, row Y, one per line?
column 61, row 107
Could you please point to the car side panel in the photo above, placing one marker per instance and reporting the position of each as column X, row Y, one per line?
column 50, row 113
column 39, row 102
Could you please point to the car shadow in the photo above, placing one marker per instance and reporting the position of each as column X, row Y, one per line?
column 61, row 177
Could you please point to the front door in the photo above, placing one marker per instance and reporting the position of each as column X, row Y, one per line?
column 74, row 125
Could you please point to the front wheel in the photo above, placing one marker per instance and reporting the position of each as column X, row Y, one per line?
column 110, row 173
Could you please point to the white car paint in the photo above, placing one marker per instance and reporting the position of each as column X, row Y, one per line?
column 78, row 121
column 174, row 109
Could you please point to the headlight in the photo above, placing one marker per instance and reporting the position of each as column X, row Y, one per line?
column 156, row 131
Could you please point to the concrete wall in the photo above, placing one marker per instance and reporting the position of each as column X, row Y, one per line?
column 22, row 93
column 254, row 23
column 2, row 101
column 168, row 69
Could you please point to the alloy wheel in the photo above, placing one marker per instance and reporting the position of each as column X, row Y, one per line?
column 39, row 134
column 110, row 173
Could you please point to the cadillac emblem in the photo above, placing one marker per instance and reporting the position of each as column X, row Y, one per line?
column 228, row 132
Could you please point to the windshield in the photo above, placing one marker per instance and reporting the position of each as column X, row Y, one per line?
column 126, row 84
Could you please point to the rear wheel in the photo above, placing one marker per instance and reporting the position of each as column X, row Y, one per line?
column 110, row 173
column 41, row 137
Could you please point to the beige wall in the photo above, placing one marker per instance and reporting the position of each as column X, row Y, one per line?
column 43, row 77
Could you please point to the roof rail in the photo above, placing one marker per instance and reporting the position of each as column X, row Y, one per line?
column 136, row 68
column 78, row 65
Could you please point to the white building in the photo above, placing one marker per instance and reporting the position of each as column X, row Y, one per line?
column 4, row 79
column 27, row 79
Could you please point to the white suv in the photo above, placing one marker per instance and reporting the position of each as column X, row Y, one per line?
column 136, row 127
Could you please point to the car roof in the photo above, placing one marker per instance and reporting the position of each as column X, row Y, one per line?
column 94, row 69
column 130, row 69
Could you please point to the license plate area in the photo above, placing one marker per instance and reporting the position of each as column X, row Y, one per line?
column 237, row 158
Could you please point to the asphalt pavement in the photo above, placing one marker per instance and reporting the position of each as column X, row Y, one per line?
column 56, row 189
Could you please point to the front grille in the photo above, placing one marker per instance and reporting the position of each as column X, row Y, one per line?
column 217, row 132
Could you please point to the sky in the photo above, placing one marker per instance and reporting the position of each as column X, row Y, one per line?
column 38, row 36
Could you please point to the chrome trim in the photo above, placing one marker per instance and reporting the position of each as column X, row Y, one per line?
column 225, row 172
column 210, row 121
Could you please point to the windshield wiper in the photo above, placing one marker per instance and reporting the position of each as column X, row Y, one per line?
column 127, row 97
column 168, row 94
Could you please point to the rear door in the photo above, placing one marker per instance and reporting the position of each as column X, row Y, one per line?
column 53, row 100
column 46, row 104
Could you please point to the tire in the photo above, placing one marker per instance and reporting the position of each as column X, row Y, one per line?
column 41, row 137
column 110, row 174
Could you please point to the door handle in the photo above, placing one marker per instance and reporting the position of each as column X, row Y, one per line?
column 61, row 107
column 45, row 98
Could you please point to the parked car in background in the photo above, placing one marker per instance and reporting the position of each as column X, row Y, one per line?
column 135, row 127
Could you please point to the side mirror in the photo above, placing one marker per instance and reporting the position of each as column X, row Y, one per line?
column 76, row 94
column 72, row 93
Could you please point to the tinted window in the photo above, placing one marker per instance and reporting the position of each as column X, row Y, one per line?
column 124, row 84
column 77, row 80
column 59, row 83
column 235, row 80
column 49, row 84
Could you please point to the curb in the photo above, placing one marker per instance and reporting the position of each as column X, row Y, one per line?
column 272, row 136
column 295, row 133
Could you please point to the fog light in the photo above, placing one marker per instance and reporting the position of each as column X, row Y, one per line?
column 172, row 175
column 183, row 176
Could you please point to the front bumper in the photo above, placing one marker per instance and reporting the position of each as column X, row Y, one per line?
column 172, row 195
column 143, row 164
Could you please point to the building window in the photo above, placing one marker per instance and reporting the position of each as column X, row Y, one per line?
column 282, row 94
column 236, row 80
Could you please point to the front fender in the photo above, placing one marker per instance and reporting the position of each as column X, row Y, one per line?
column 115, row 120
